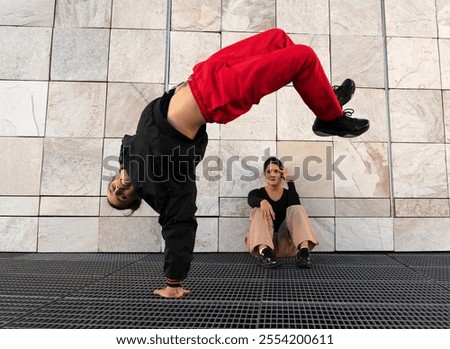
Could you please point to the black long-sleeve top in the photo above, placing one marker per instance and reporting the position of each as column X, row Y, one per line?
column 289, row 198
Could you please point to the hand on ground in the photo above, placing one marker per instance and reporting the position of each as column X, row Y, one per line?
column 171, row 292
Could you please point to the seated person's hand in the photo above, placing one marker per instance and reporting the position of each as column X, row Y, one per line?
column 268, row 213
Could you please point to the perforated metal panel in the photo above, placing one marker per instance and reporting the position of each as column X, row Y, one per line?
column 106, row 313
column 228, row 290
column 350, row 316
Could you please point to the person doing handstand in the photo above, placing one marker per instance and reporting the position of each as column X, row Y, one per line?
column 158, row 163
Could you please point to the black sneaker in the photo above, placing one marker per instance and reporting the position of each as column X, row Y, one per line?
column 267, row 259
column 343, row 126
column 303, row 259
column 344, row 92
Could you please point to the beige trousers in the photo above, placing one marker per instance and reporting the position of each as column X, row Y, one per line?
column 294, row 230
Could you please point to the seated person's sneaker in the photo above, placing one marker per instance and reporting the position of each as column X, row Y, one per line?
column 343, row 126
column 344, row 92
column 267, row 259
column 303, row 259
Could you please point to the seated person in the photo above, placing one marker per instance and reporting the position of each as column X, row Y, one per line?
column 279, row 225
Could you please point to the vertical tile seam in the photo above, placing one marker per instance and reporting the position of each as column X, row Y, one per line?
column 438, row 39
column 388, row 111
column 105, row 115
column 168, row 47
column 44, row 132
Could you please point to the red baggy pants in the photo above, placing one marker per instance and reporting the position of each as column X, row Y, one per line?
column 229, row 82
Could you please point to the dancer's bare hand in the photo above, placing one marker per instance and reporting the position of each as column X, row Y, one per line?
column 171, row 292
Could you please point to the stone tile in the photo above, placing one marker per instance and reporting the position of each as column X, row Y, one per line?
column 307, row 17
column 370, row 104
column 196, row 15
column 310, row 164
column 68, row 234
column 443, row 17
column 137, row 56
column 413, row 63
column 248, row 15
column 229, row 38
column 421, row 234
column 422, row 208
column 416, row 116
column 419, row 170
column 83, row 13
column 187, row 49
column 242, row 163
column 23, row 106
column 129, row 234
column 69, row 206
column 19, row 205
column 444, row 54
column 139, row 14
column 294, row 118
column 319, row 207
column 207, row 237
column 208, row 205
column 446, row 103
column 363, row 207
column 76, row 109
column 361, row 170
column 364, row 234
column 447, row 152
column 18, row 234
column 349, row 17
column 71, row 166
column 32, row 13
column 80, row 54
column 358, row 57
column 257, row 124
column 25, row 53
column 213, row 131
column 21, row 159
column 232, row 233
column 411, row 18
column 208, row 179
column 234, row 207
column 325, row 232
column 125, row 103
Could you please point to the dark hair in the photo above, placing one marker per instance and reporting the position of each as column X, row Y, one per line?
column 133, row 206
column 272, row 160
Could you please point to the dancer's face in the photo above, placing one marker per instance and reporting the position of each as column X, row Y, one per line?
column 121, row 193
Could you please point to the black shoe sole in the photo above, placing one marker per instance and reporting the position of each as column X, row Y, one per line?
column 271, row 266
column 304, row 266
column 343, row 134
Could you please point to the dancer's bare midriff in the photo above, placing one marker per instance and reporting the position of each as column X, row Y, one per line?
column 184, row 113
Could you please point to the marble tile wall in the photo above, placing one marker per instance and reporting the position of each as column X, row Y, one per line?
column 75, row 75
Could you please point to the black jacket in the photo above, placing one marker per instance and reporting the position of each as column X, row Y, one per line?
column 161, row 164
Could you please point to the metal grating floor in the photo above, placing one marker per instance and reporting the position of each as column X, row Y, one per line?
column 228, row 290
